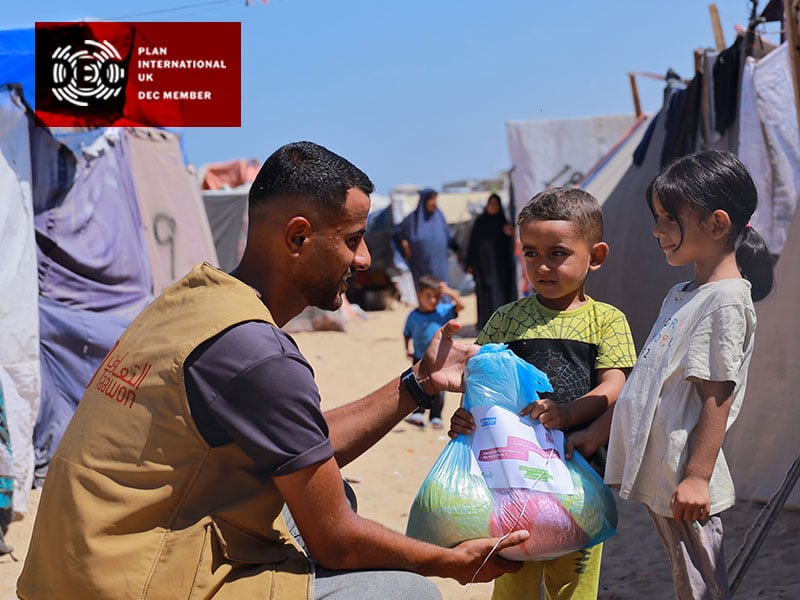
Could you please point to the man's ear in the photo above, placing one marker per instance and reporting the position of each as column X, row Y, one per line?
column 598, row 256
column 297, row 231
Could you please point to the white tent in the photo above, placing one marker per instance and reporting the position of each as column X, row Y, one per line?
column 20, row 374
column 549, row 153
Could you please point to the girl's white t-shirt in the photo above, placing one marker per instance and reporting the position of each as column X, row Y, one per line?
column 702, row 334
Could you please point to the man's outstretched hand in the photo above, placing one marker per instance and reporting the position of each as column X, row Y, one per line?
column 442, row 367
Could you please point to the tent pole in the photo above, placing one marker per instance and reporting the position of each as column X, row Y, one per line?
column 761, row 526
column 792, row 36
column 716, row 25
column 637, row 105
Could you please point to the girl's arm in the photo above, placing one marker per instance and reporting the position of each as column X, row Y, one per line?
column 691, row 499
column 590, row 440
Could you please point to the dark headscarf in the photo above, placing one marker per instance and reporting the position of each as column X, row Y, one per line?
column 488, row 229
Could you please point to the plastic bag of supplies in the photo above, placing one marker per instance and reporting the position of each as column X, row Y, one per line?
column 510, row 473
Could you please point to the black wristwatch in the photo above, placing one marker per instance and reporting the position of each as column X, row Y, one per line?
column 411, row 383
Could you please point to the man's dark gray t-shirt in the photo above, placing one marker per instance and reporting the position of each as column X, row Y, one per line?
column 250, row 385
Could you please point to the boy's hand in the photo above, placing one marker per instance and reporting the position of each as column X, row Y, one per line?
column 461, row 422
column 691, row 501
column 549, row 413
column 446, row 290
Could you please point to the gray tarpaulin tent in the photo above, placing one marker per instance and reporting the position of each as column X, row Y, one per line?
column 762, row 444
column 764, row 441
column 227, row 216
column 635, row 277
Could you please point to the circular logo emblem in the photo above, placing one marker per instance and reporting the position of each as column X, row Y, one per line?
column 80, row 75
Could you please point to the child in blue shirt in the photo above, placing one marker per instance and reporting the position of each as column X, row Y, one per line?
column 438, row 303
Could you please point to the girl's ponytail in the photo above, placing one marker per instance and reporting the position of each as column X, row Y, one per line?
column 756, row 263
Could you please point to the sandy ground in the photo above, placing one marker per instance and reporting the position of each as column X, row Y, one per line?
column 351, row 364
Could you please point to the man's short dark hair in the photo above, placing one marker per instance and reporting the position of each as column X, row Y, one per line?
column 567, row 204
column 307, row 172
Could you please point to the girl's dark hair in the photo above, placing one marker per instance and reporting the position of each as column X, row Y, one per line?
column 712, row 180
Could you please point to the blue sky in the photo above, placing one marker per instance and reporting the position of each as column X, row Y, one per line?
column 420, row 90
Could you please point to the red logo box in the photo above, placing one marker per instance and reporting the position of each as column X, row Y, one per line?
column 155, row 74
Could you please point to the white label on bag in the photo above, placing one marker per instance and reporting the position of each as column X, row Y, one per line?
column 517, row 452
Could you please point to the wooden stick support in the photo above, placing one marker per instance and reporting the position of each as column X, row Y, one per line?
column 716, row 25
column 637, row 105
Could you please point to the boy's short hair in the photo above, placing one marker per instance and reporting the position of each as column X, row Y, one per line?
column 567, row 204
column 428, row 281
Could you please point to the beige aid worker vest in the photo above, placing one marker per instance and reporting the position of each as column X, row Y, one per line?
column 135, row 503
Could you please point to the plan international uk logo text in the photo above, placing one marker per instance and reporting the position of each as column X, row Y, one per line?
column 127, row 74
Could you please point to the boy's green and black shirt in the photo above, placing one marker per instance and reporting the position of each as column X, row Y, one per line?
column 568, row 346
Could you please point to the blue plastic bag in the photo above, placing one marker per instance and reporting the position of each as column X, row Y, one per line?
column 455, row 502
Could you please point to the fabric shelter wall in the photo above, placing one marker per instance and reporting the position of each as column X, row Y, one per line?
column 601, row 179
column 549, row 153
column 91, row 251
column 227, row 217
column 19, row 352
column 762, row 443
column 635, row 277
column 177, row 234
column 73, row 344
column 94, row 276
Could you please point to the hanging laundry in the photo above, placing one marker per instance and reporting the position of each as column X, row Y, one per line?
column 685, row 124
column 726, row 85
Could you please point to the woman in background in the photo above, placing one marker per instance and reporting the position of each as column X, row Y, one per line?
column 490, row 260
column 425, row 237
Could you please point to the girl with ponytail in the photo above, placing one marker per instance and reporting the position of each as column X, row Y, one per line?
column 665, row 446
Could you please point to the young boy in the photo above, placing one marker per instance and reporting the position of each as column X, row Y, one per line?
column 585, row 348
column 433, row 312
